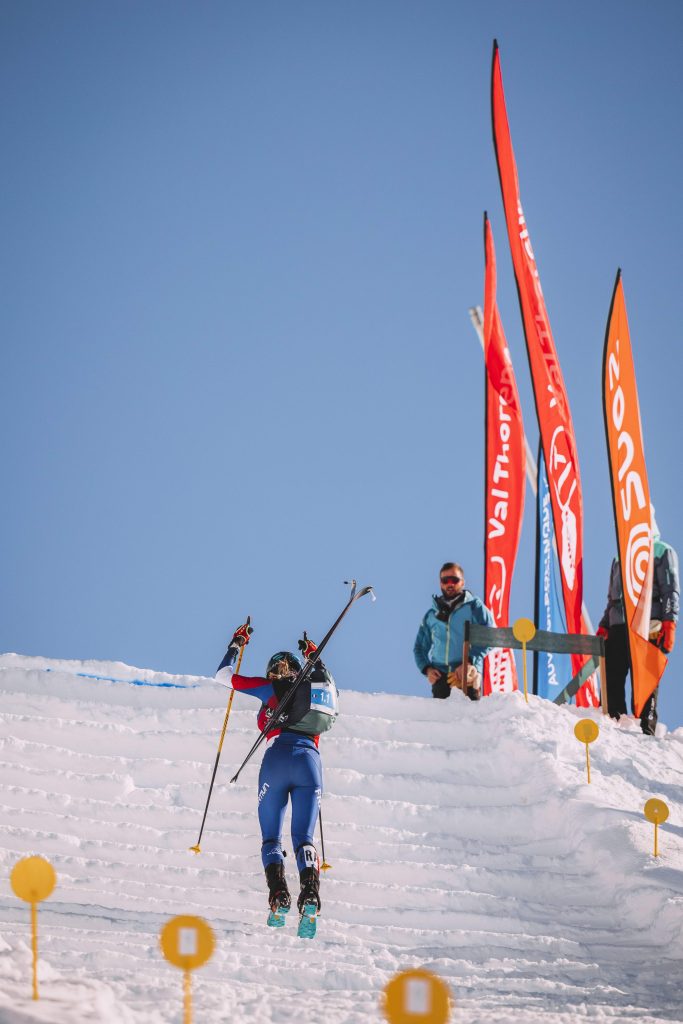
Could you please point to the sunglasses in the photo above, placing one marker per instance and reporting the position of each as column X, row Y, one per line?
column 451, row 579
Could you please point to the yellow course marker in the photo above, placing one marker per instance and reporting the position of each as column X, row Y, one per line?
column 656, row 811
column 586, row 731
column 417, row 997
column 33, row 879
column 187, row 942
column 524, row 631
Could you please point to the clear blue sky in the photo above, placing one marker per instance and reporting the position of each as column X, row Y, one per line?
column 239, row 244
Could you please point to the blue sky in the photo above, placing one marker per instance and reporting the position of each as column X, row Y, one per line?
column 240, row 241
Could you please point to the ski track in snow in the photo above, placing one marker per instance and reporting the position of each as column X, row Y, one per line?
column 464, row 839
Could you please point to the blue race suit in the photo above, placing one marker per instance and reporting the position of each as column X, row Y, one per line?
column 291, row 767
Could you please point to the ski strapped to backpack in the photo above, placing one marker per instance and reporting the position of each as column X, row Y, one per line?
column 307, row 668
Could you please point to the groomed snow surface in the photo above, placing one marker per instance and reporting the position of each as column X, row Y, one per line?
column 464, row 839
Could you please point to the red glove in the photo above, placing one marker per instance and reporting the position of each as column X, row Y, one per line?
column 241, row 635
column 307, row 647
column 601, row 631
column 667, row 637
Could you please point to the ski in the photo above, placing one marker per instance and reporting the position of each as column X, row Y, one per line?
column 307, row 668
column 277, row 918
column 308, row 921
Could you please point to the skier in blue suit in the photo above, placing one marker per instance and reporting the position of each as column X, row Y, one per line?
column 291, row 767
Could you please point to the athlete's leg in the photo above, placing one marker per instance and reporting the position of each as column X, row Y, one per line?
column 306, row 795
column 273, row 792
column 306, row 792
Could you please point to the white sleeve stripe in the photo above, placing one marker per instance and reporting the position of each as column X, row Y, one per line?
column 224, row 675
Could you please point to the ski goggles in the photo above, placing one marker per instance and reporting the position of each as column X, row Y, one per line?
column 450, row 579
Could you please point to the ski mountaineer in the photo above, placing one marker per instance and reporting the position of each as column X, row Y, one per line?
column 438, row 644
column 291, row 769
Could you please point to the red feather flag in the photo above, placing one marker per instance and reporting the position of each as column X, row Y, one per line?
column 552, row 405
column 505, row 476
column 631, row 498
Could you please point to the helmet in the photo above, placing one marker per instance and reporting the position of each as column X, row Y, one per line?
column 283, row 665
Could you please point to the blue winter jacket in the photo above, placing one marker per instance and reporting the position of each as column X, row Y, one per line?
column 438, row 644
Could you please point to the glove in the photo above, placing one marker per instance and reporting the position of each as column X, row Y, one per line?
column 441, row 689
column 667, row 636
column 241, row 635
column 307, row 647
column 601, row 631
column 473, row 678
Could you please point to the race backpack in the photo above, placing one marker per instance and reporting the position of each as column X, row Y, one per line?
column 315, row 706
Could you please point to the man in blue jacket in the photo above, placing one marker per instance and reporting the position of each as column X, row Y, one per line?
column 438, row 645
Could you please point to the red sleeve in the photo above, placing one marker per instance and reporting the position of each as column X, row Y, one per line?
column 253, row 686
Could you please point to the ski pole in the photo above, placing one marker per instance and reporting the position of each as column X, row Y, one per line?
column 197, row 849
column 324, row 866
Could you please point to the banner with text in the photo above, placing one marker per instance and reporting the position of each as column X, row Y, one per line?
column 504, row 475
column 630, row 497
column 550, row 396
column 552, row 671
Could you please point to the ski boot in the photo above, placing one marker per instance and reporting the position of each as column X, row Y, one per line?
column 308, row 902
column 279, row 898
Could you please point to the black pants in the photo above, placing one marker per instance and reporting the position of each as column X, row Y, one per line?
column 618, row 664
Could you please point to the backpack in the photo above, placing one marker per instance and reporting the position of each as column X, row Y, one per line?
column 315, row 706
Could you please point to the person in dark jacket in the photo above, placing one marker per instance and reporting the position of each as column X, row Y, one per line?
column 438, row 645
column 663, row 619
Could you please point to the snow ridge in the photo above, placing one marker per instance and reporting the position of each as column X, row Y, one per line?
column 463, row 838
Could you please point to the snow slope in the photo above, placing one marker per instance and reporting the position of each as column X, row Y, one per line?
column 463, row 837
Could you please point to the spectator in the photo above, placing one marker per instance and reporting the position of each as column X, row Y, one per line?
column 438, row 645
column 663, row 619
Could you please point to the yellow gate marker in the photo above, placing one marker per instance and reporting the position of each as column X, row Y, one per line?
column 586, row 731
column 33, row 879
column 187, row 942
column 656, row 811
column 524, row 631
column 417, row 997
